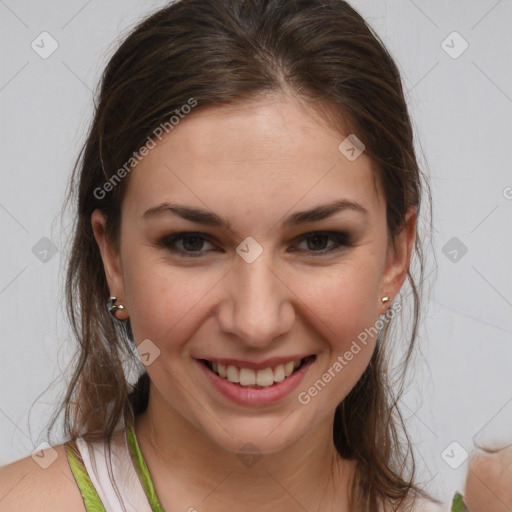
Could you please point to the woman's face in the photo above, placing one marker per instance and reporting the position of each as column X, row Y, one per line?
column 257, row 290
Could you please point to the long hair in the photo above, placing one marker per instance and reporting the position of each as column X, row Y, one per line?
column 222, row 52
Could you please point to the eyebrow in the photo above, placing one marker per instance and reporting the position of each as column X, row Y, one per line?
column 208, row 218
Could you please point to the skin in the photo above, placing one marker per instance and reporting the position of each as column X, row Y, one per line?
column 488, row 486
column 254, row 164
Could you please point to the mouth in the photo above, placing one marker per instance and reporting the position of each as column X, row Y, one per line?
column 257, row 379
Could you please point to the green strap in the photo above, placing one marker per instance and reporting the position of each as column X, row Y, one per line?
column 142, row 470
column 458, row 504
column 91, row 499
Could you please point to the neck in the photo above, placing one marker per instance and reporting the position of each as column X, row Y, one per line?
column 190, row 470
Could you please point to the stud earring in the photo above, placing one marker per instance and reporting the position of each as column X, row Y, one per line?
column 385, row 299
column 112, row 307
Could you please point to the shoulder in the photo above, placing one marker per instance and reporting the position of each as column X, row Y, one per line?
column 45, row 485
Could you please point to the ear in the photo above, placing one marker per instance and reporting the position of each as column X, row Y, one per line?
column 398, row 257
column 111, row 262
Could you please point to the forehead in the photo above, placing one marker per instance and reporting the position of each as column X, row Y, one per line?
column 252, row 158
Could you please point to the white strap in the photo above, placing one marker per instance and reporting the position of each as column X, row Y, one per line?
column 125, row 476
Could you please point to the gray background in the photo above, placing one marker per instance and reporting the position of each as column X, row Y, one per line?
column 461, row 106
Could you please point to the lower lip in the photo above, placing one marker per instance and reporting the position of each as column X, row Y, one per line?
column 256, row 396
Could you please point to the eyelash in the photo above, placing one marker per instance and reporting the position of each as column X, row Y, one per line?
column 342, row 241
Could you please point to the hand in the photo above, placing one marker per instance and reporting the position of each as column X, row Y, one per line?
column 488, row 486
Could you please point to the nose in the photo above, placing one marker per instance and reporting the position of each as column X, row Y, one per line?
column 258, row 305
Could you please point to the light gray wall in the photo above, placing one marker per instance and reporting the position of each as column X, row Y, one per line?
column 462, row 110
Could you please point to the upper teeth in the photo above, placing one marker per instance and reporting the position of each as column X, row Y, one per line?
column 249, row 377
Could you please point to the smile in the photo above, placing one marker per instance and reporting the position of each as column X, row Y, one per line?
column 247, row 386
column 247, row 377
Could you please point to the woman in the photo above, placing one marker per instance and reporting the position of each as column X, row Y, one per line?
column 248, row 199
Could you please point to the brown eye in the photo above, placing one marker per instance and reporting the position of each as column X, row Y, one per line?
column 192, row 243
column 317, row 242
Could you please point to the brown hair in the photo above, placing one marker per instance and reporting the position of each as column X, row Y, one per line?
column 222, row 52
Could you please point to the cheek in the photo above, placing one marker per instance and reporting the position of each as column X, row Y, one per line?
column 343, row 299
column 165, row 302
column 343, row 307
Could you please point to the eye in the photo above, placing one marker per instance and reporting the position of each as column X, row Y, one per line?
column 318, row 240
column 191, row 243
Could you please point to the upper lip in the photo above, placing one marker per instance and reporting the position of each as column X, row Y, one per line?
column 267, row 363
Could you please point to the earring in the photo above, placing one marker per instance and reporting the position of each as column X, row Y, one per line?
column 385, row 299
column 112, row 308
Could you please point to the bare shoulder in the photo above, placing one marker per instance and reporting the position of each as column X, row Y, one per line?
column 39, row 486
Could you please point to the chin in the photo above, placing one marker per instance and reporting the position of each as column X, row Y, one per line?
column 251, row 436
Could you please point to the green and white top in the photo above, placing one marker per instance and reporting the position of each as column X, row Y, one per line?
column 88, row 462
